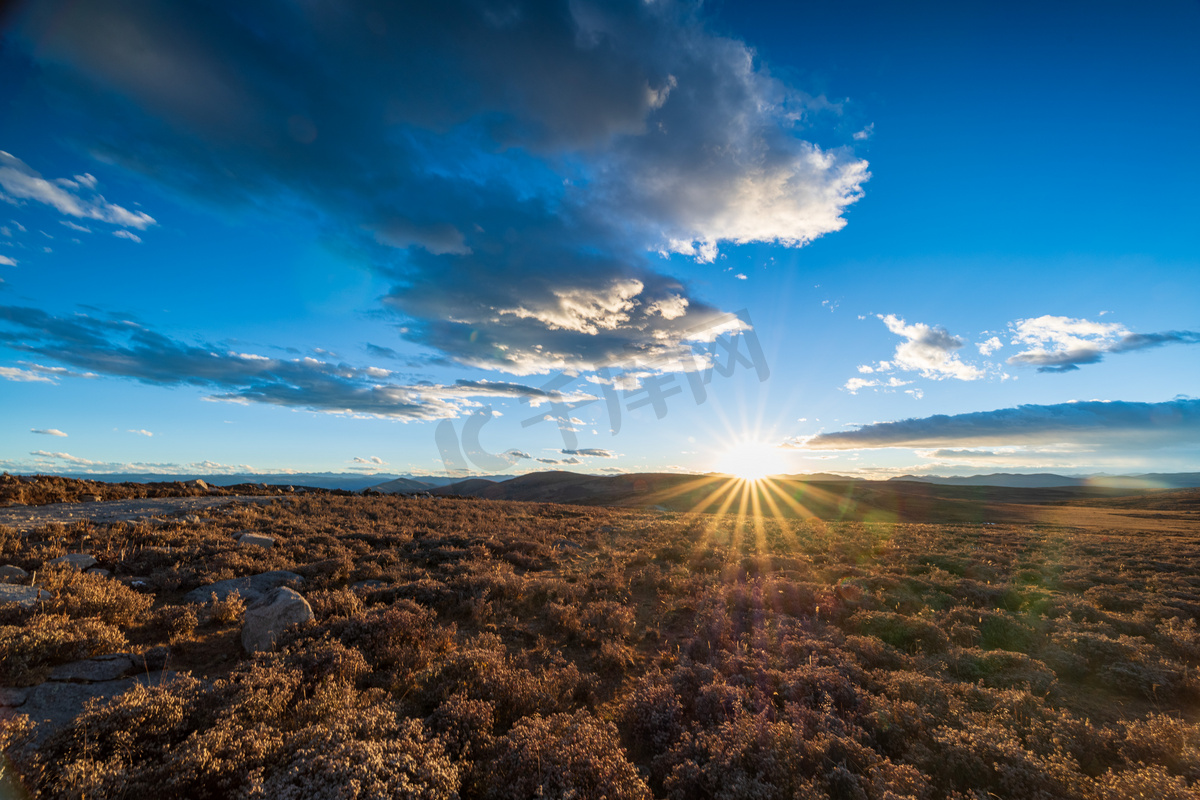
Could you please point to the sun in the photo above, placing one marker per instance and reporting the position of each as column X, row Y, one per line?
column 752, row 461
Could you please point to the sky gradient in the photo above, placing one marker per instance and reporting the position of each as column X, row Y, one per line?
column 499, row 237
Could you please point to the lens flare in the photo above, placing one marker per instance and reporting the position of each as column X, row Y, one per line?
column 752, row 461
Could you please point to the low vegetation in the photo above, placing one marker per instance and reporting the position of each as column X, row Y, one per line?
column 484, row 649
column 40, row 490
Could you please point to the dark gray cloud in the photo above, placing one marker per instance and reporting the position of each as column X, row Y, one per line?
column 590, row 452
column 511, row 166
column 1115, row 424
column 381, row 352
column 123, row 348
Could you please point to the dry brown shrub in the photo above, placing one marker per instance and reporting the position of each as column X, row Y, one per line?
column 174, row 623
column 225, row 612
column 604, row 620
column 43, row 641
column 331, row 761
column 564, row 755
column 465, row 727
column 83, row 594
column 804, row 660
column 1152, row 783
column 328, row 604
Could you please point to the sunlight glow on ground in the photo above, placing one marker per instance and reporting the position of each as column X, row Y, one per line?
column 752, row 461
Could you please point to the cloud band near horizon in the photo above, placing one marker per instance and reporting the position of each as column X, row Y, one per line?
column 125, row 349
column 1116, row 424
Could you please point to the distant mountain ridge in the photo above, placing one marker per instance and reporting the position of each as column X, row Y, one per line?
column 1151, row 480
column 479, row 485
column 321, row 480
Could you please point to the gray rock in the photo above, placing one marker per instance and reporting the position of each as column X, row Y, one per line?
column 23, row 596
column 257, row 539
column 90, row 498
column 103, row 573
column 250, row 588
column 13, row 698
column 53, row 705
column 79, row 561
column 367, row 586
column 94, row 670
column 566, row 543
column 9, row 574
column 197, row 484
column 270, row 616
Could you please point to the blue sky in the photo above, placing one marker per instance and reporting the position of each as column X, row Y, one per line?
column 879, row 238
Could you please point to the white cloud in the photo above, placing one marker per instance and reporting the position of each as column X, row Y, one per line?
column 790, row 200
column 133, row 237
column 23, row 375
column 990, row 346
column 43, row 458
column 64, row 457
column 672, row 306
column 20, row 182
column 1062, row 344
column 929, row 351
column 48, row 431
column 1064, row 333
column 8, row 262
column 373, row 461
column 585, row 310
column 74, row 226
column 855, row 384
column 140, row 432
column 865, row 133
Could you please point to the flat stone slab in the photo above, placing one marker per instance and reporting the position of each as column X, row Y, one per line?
column 79, row 561
column 95, row 670
column 13, row 698
column 26, row 518
column 11, row 574
column 24, row 596
column 250, row 588
column 257, row 539
column 368, row 586
column 53, row 704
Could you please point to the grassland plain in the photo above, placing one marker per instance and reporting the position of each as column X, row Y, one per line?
column 517, row 650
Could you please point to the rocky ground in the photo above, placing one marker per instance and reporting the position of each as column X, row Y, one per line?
column 26, row 518
column 325, row 645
